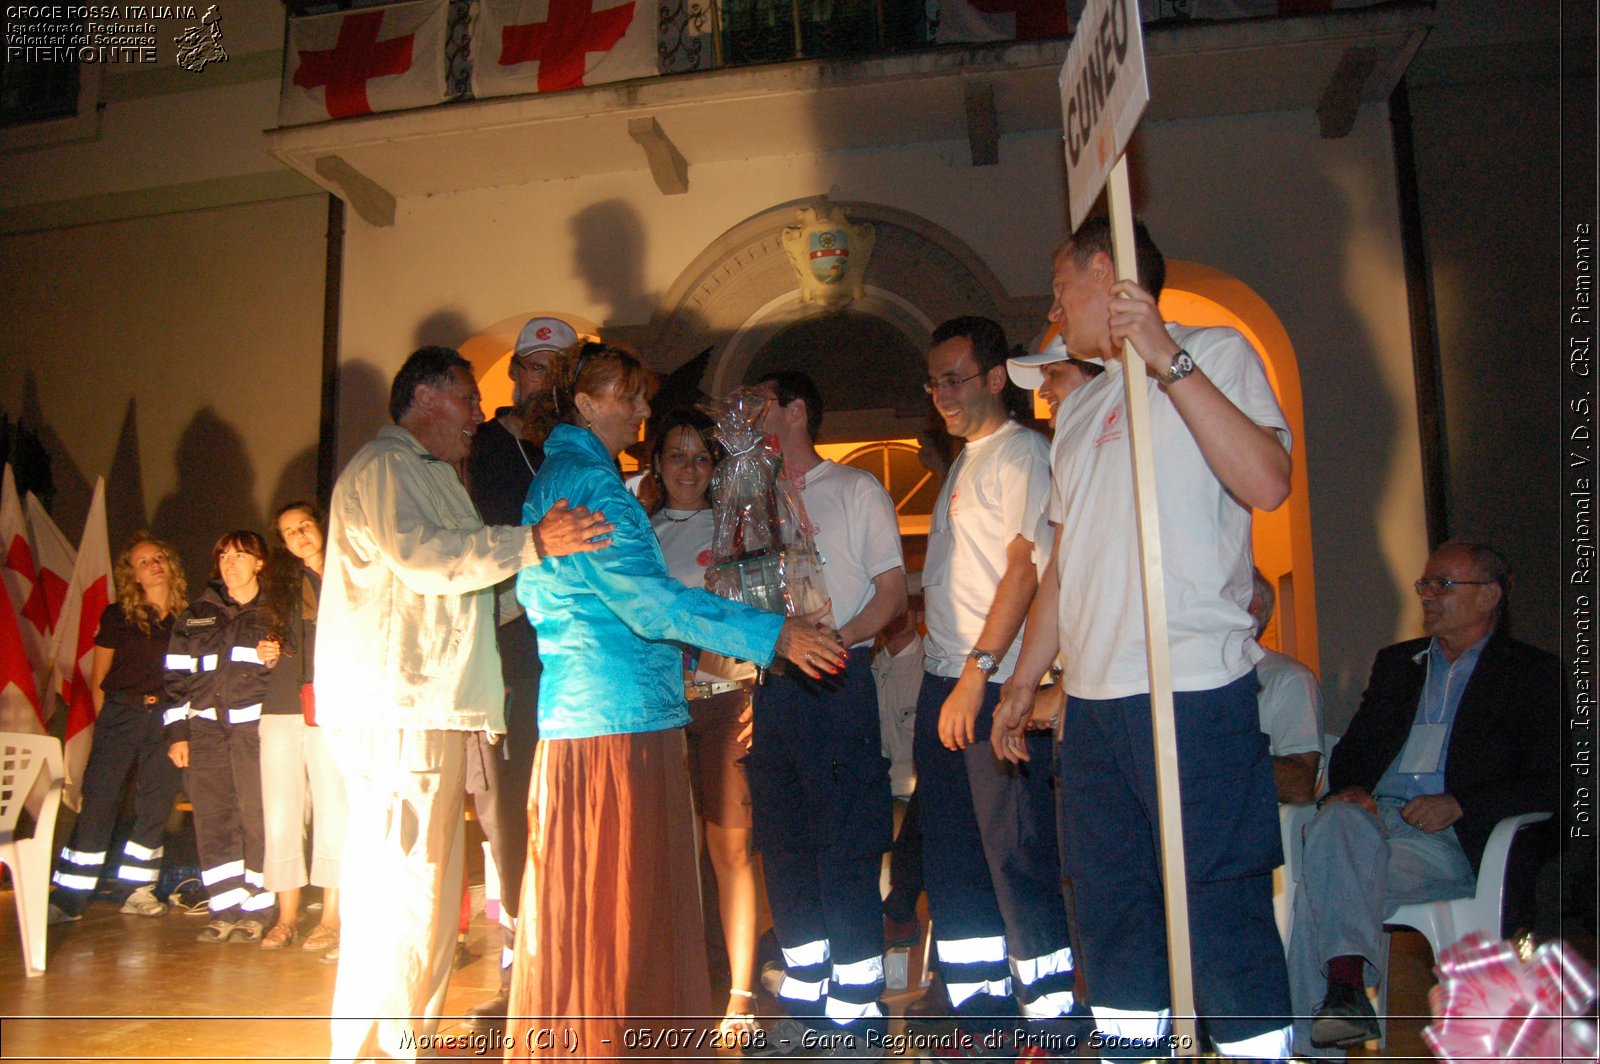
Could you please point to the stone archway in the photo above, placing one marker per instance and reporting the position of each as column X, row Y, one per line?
column 741, row 293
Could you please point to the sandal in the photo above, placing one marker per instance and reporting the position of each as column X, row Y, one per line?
column 738, row 1028
column 280, row 936
column 216, row 931
column 247, row 931
column 322, row 937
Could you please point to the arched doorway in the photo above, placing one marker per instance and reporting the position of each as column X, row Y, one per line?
column 1199, row 295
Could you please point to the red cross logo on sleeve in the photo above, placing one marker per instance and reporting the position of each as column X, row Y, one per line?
column 356, row 58
column 571, row 30
column 1035, row 18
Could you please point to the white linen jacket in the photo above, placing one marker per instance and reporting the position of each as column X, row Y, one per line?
column 405, row 633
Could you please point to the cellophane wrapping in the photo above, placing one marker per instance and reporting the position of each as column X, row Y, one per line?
column 763, row 550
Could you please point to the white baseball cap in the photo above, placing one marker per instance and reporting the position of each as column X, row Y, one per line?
column 544, row 334
column 1024, row 370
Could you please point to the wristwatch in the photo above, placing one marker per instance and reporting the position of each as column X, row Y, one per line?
column 987, row 662
column 1182, row 366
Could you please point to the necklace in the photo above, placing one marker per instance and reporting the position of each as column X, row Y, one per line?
column 667, row 513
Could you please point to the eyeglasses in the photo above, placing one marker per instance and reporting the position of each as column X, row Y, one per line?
column 1438, row 585
column 526, row 364
column 934, row 384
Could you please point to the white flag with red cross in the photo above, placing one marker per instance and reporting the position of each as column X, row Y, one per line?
column 19, row 662
column 973, row 21
column 54, row 556
column 521, row 46
column 89, row 592
column 358, row 62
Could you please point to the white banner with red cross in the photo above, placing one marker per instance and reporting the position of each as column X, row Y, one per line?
column 521, row 46
column 358, row 62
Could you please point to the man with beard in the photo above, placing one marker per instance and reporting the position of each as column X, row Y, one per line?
column 499, row 469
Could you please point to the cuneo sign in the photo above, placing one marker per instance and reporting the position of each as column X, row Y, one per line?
column 1103, row 93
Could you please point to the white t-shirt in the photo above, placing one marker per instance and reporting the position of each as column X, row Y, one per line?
column 1290, row 703
column 685, row 537
column 998, row 489
column 857, row 534
column 1205, row 532
column 899, row 680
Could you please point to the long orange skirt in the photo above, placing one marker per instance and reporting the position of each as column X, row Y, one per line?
column 610, row 954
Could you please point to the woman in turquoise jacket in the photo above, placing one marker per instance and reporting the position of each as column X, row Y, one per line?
column 612, row 925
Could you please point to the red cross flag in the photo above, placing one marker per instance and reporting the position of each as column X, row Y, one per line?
column 54, row 556
column 358, row 62
column 521, row 46
column 1000, row 20
column 19, row 663
column 88, row 594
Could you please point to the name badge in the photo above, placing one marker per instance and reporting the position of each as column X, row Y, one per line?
column 1424, row 748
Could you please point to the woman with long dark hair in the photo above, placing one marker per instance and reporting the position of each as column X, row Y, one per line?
column 130, row 646
column 611, row 930
column 296, row 767
column 222, row 648
column 682, row 457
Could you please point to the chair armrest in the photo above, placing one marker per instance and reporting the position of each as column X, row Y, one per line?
column 1497, row 851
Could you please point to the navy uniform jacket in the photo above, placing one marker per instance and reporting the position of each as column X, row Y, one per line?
column 1504, row 756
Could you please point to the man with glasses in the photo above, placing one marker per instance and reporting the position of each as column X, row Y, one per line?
column 499, row 469
column 989, row 847
column 819, row 783
column 1453, row 733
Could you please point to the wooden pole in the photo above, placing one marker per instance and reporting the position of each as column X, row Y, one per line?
column 1168, row 800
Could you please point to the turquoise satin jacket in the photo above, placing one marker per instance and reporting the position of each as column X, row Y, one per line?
column 610, row 621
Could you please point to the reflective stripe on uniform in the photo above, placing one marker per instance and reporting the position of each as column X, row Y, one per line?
column 228, row 871
column 245, row 714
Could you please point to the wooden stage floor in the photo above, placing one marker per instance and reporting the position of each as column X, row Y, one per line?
column 131, row 988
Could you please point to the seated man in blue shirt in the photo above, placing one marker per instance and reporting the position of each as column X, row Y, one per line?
column 1453, row 733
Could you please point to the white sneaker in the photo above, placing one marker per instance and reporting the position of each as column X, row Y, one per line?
column 143, row 902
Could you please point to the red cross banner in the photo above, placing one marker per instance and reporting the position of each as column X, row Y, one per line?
column 1000, row 20
column 521, row 46
column 88, row 594
column 358, row 62
column 19, row 662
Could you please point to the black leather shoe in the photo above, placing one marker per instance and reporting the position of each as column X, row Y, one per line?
column 487, row 1016
column 1345, row 1018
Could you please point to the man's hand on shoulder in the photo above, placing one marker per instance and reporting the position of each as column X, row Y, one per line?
column 565, row 529
column 1431, row 812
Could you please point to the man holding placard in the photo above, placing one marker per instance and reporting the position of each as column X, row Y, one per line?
column 1220, row 447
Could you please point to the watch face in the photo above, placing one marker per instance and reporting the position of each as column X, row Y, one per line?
column 987, row 663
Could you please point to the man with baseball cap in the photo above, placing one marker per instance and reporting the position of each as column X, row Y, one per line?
column 499, row 470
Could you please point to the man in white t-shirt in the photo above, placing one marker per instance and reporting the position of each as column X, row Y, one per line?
column 1220, row 447
column 1290, row 707
column 819, row 783
column 988, row 826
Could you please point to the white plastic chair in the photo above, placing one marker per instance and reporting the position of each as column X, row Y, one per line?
column 22, row 759
column 1444, row 923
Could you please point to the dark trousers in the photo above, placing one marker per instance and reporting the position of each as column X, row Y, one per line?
column 905, row 865
column 499, row 783
column 224, row 784
column 819, row 790
column 127, row 738
column 994, row 849
column 1112, row 850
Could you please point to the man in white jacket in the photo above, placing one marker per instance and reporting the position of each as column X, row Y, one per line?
column 406, row 668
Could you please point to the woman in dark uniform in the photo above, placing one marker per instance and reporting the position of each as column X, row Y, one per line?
column 129, row 648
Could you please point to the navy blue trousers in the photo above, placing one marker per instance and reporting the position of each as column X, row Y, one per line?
column 990, row 860
column 823, row 818
column 1111, row 848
